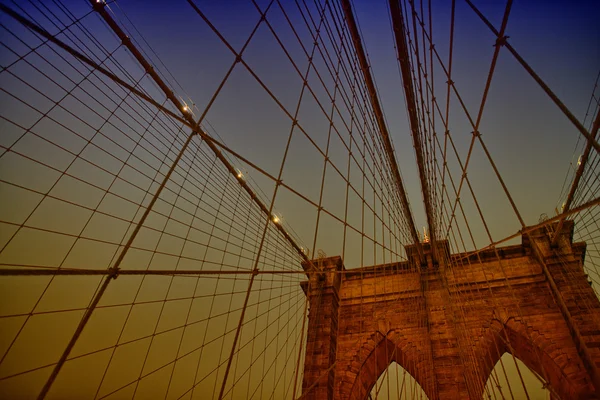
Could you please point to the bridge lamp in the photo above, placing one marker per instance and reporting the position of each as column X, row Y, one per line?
column 276, row 219
column 239, row 174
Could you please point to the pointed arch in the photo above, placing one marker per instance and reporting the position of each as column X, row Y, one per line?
column 558, row 364
column 505, row 381
column 396, row 381
column 375, row 356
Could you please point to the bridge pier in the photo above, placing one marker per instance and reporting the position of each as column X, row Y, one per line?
column 321, row 343
column 449, row 319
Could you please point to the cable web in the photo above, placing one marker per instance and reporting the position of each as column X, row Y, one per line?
column 200, row 202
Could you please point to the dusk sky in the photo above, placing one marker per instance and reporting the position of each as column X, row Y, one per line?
column 529, row 139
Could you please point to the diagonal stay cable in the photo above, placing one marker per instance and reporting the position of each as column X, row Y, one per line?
column 196, row 129
column 537, row 78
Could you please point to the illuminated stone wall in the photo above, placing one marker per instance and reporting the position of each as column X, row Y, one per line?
column 448, row 322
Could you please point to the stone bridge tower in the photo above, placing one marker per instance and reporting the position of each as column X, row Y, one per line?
column 448, row 322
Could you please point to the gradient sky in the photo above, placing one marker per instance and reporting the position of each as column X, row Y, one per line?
column 529, row 139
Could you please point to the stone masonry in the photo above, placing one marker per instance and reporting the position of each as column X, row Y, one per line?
column 448, row 322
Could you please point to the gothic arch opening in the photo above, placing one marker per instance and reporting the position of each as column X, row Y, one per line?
column 558, row 366
column 386, row 356
column 396, row 383
column 504, row 381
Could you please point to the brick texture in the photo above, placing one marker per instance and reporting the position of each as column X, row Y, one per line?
column 448, row 321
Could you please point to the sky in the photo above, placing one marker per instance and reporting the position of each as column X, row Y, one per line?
column 55, row 211
column 531, row 142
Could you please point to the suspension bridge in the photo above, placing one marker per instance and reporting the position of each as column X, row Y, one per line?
column 298, row 199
